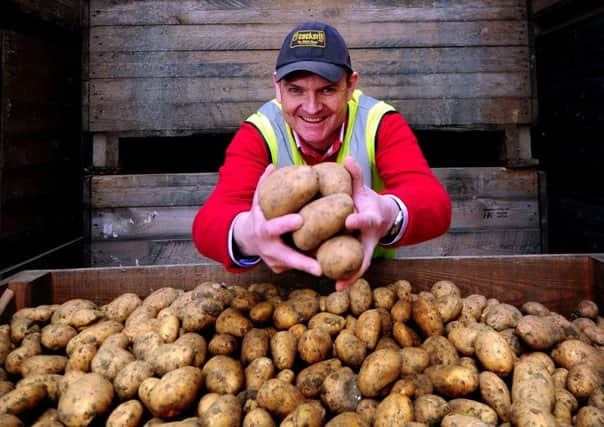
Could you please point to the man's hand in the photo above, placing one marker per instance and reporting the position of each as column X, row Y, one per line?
column 257, row 236
column 374, row 216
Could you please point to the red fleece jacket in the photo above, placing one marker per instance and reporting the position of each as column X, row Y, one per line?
column 400, row 163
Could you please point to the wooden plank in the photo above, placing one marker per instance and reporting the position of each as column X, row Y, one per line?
column 539, row 6
column 226, row 117
column 235, row 89
column 261, row 37
column 183, row 251
column 192, row 189
column 155, row 64
column 107, row 12
column 158, row 222
column 557, row 281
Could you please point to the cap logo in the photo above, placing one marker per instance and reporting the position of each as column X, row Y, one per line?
column 308, row 38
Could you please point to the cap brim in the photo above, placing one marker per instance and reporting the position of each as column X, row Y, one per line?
column 329, row 72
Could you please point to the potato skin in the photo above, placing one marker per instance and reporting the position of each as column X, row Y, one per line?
column 278, row 397
column 380, row 368
column 323, row 218
column 333, row 178
column 287, row 189
column 85, row 398
column 126, row 414
column 340, row 257
column 394, row 410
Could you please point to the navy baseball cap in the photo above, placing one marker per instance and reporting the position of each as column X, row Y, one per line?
column 315, row 47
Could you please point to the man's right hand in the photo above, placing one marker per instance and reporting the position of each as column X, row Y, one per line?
column 257, row 236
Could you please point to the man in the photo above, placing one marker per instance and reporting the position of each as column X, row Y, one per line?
column 318, row 115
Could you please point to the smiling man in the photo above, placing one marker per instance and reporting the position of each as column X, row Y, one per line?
column 319, row 115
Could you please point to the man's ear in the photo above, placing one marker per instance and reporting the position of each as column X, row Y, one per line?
column 277, row 87
column 351, row 84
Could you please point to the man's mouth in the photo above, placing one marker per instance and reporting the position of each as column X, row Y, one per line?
column 312, row 119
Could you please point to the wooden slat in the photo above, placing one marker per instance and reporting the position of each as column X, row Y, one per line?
column 154, row 64
column 233, row 89
column 263, row 37
column 210, row 117
column 107, row 12
column 557, row 281
column 146, row 223
column 183, row 251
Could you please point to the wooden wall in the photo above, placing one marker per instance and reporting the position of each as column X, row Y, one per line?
column 166, row 67
column 146, row 219
column 569, row 50
column 40, row 189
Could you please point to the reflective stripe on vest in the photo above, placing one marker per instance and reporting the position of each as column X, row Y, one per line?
column 364, row 116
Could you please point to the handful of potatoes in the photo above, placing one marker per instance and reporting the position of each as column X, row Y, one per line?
column 322, row 194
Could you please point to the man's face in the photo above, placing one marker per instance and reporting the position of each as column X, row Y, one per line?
column 314, row 107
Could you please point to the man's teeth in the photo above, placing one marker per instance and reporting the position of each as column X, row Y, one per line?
column 312, row 119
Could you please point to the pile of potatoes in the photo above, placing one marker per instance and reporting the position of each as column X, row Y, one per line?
column 322, row 195
column 226, row 355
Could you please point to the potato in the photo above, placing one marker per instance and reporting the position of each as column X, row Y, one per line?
column 532, row 391
column 340, row 257
column 9, row 420
column 426, row 316
column 338, row 302
column 349, row 348
column 283, row 349
column 225, row 344
column 368, row 328
column 379, row 369
column 22, row 399
column 589, row 416
column 129, row 378
column 126, row 414
column 30, row 346
column 414, row 360
column 333, row 178
column 6, row 345
column 85, row 398
column 366, row 409
column 538, row 332
column 111, row 357
column 314, row 345
column 43, row 364
column 347, row 419
column 441, row 351
column 257, row 372
column 340, row 391
column 278, row 397
column 121, row 307
column 494, row 352
column 224, row 411
column 56, row 336
column 286, row 375
column 430, row 409
column 173, row 394
column 473, row 408
column 64, row 312
column 501, row 316
column 287, row 189
column 452, row 381
column 255, row 344
column 587, row 308
column 395, row 409
column 258, row 417
column 458, row 420
column 582, row 380
column 495, row 393
column 232, row 321
column 308, row 414
column 95, row 334
column 449, row 307
column 405, row 335
column 262, row 312
column 310, row 378
column 463, row 339
column 361, row 297
column 566, row 405
column 384, row 297
column 329, row 322
column 223, row 374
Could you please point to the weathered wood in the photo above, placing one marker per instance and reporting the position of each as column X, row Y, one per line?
column 242, row 64
column 151, row 190
column 107, row 12
column 113, row 253
column 262, row 37
column 557, row 281
column 210, row 117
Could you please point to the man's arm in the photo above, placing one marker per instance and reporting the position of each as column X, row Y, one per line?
column 246, row 159
column 406, row 175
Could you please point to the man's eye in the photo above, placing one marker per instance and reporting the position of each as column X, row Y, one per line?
column 294, row 90
column 329, row 90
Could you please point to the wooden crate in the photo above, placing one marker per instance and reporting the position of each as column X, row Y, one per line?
column 557, row 281
column 172, row 67
column 146, row 219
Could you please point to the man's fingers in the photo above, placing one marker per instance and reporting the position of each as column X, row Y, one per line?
column 288, row 258
column 283, row 224
column 355, row 172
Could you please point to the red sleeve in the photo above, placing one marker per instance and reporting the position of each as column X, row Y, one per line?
column 406, row 174
column 246, row 159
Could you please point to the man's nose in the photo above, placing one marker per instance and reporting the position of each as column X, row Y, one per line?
column 312, row 104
